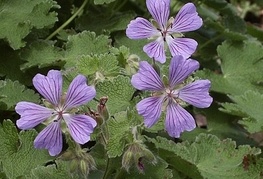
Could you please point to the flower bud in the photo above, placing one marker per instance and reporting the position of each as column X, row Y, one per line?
column 81, row 162
column 127, row 160
column 135, row 155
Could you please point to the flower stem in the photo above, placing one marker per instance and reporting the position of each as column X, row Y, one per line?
column 105, row 175
column 68, row 21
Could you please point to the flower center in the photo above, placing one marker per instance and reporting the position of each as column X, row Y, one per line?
column 172, row 95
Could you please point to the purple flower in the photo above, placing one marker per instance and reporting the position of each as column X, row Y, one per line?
column 172, row 95
column 50, row 87
column 166, row 30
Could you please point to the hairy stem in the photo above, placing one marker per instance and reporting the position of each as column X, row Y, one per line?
column 68, row 21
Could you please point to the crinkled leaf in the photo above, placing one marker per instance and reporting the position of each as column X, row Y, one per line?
column 249, row 106
column 41, row 54
column 19, row 17
column 119, row 91
column 17, row 152
column 85, row 43
column 241, row 68
column 208, row 157
column 105, row 65
column 117, row 127
column 13, row 92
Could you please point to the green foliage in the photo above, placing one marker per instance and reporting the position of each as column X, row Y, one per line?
column 249, row 106
column 41, row 54
column 20, row 17
column 17, row 153
column 208, row 157
column 241, row 67
column 90, row 39
column 14, row 92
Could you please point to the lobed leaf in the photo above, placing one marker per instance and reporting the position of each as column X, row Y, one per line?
column 208, row 157
column 17, row 153
column 249, row 106
column 19, row 17
column 14, row 92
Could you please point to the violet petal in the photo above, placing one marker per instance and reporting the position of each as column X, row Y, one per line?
column 181, row 46
column 187, row 19
column 141, row 28
column 80, row 127
column 50, row 86
column 180, row 69
column 79, row 92
column 178, row 120
column 151, row 109
column 196, row 94
column 160, row 10
column 50, row 138
column 31, row 114
column 156, row 50
column 147, row 78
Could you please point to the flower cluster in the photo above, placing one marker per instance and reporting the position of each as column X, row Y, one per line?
column 171, row 96
column 59, row 111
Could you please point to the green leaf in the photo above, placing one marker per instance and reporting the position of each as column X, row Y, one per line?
column 107, row 23
column 56, row 171
column 255, row 31
column 14, row 92
column 97, row 2
column 19, row 17
column 241, row 66
column 117, row 127
column 119, row 91
column 17, row 153
column 105, row 65
column 85, row 43
column 208, row 157
column 41, row 54
column 249, row 106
